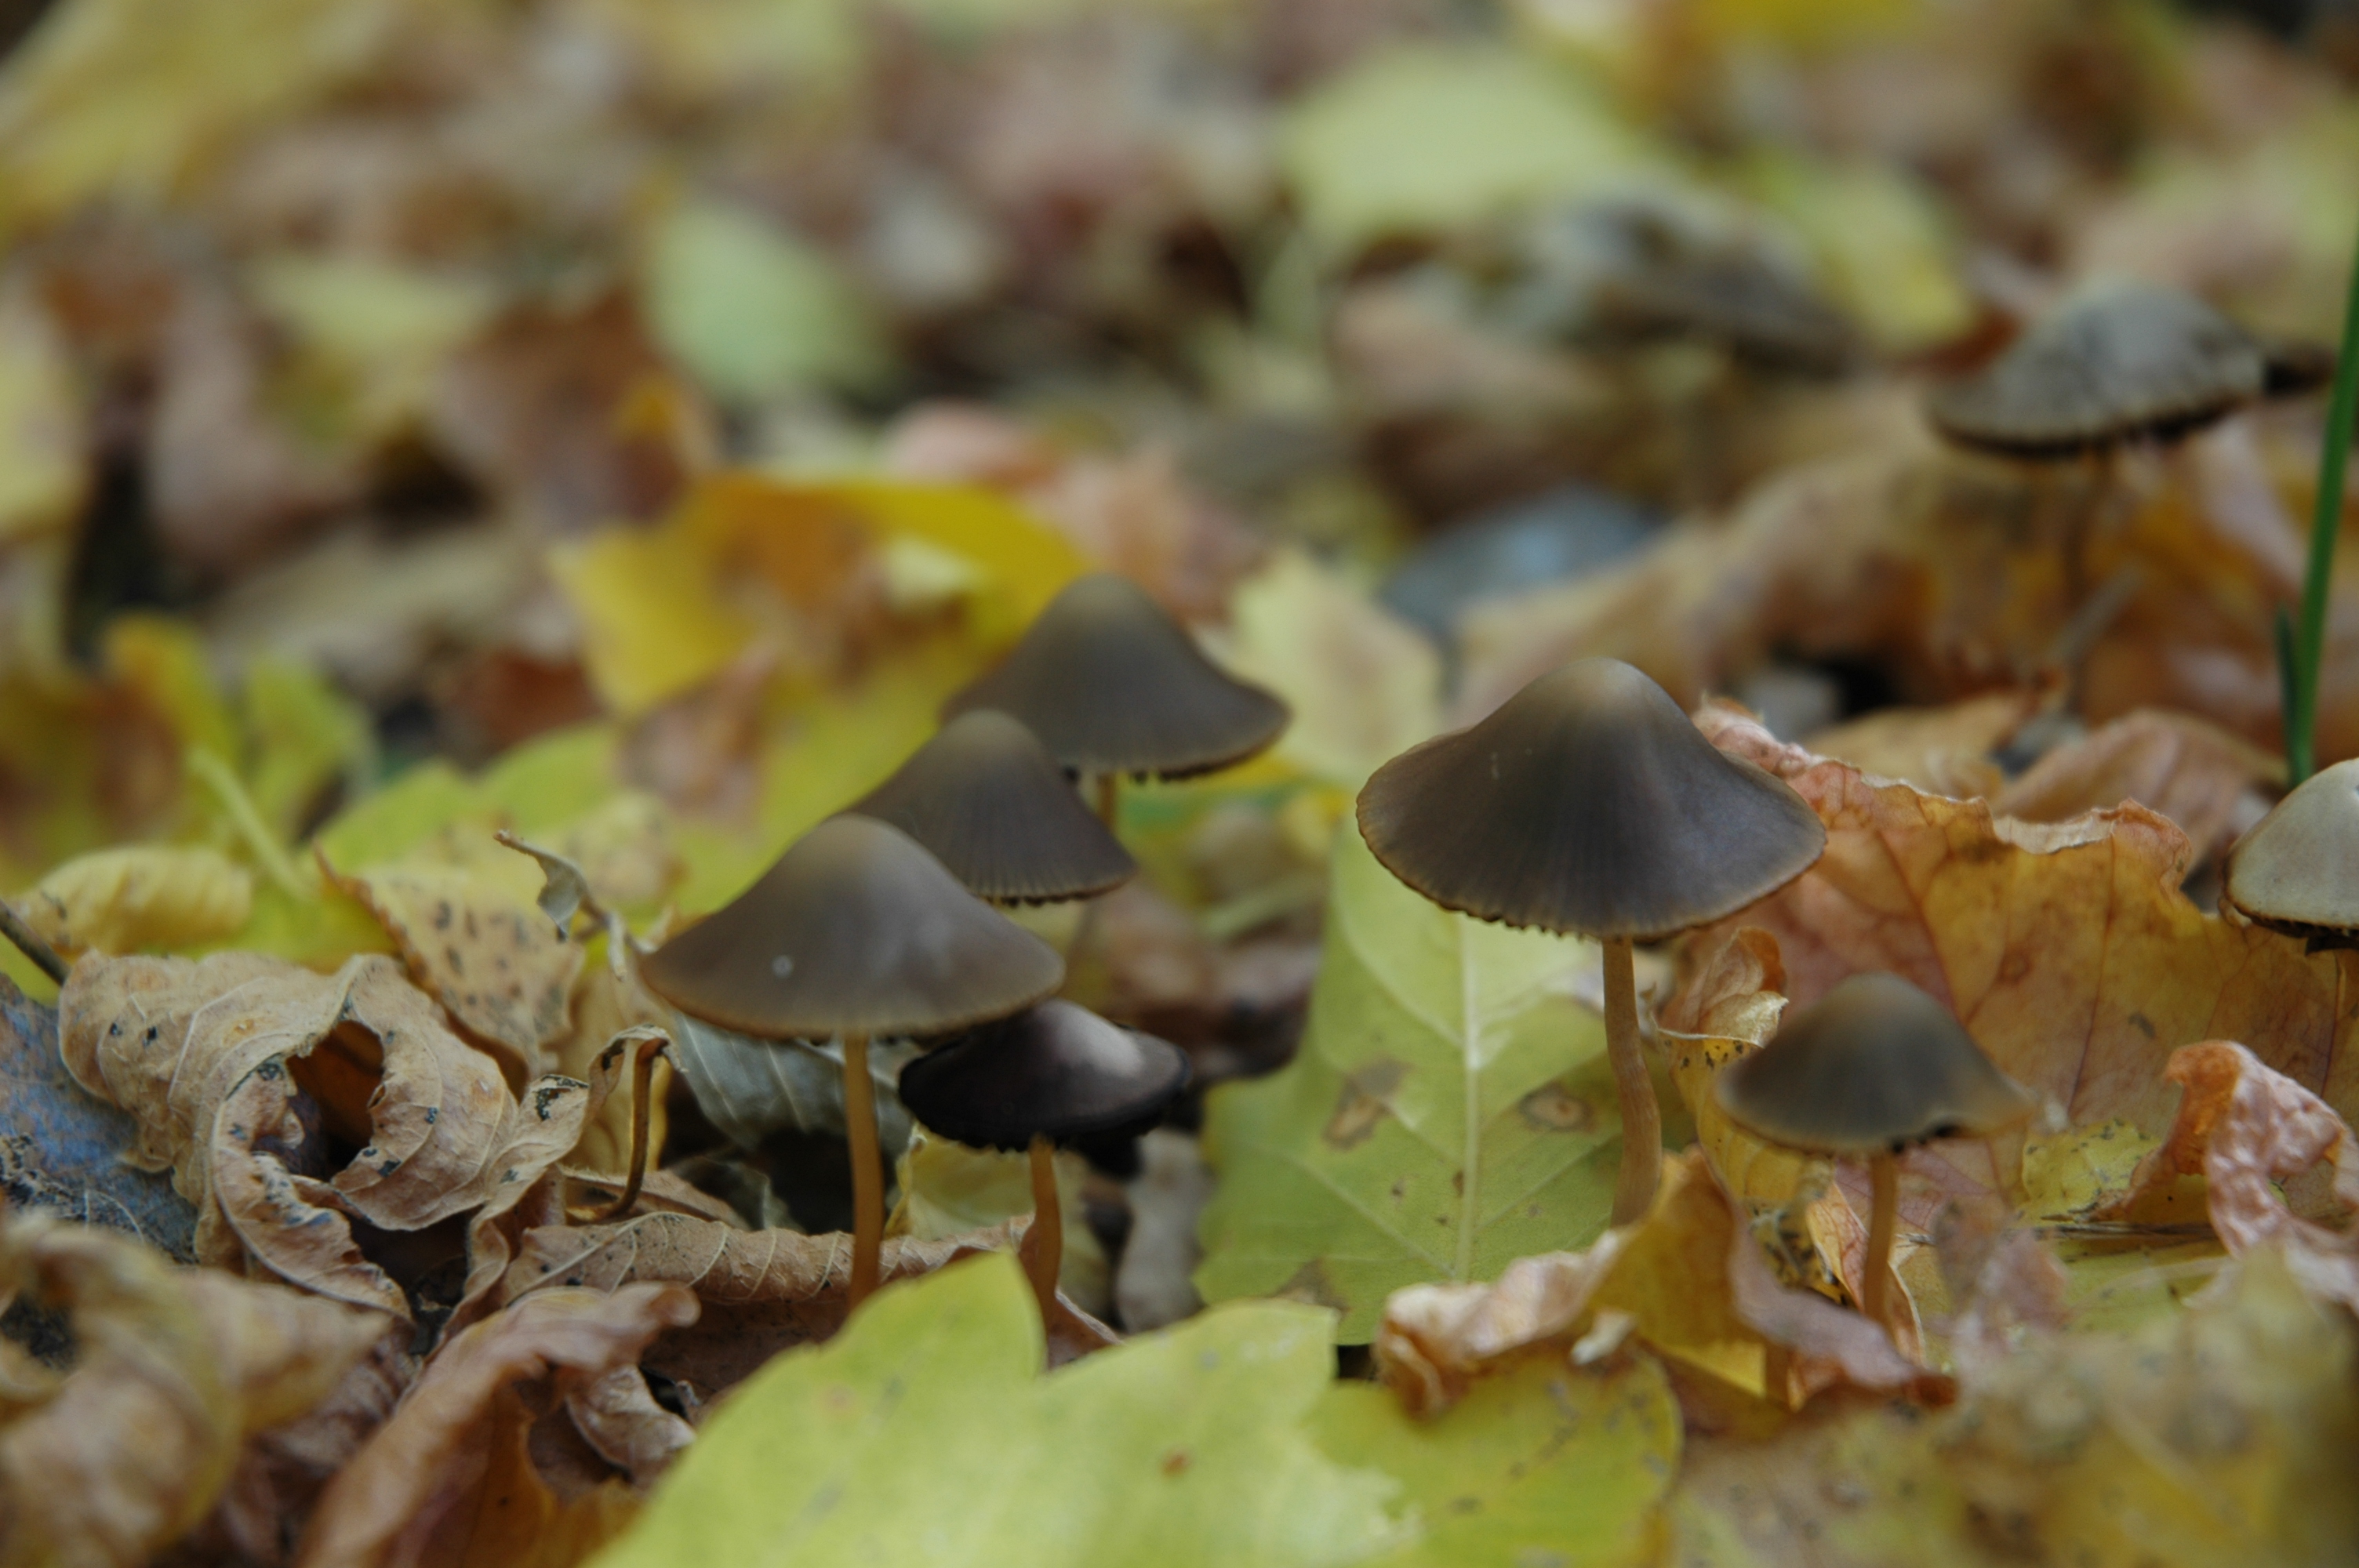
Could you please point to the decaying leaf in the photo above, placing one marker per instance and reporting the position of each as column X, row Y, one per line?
column 121, row 900
column 1449, row 1111
column 447, row 1479
column 1942, row 751
column 2246, row 1128
column 2194, row 773
column 175, row 1369
column 764, row 1290
column 2066, row 949
column 2219, row 1435
column 240, row 1068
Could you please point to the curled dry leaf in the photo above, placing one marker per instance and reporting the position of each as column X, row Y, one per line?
column 446, row 1480
column 177, row 1370
column 2066, row 949
column 240, row 1069
column 763, row 1291
column 2246, row 1128
column 1942, row 751
column 1689, row 1280
column 2186, row 768
column 282, row 1471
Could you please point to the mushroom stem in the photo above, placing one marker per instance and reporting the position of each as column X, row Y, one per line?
column 867, row 1169
column 648, row 1046
column 1883, row 1214
column 1642, row 1121
column 1106, row 788
column 44, row 957
column 1045, row 1252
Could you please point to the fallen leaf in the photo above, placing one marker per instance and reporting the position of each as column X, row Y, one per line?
column 149, row 895
column 43, row 430
column 175, row 1370
column 655, row 623
column 764, row 1290
column 446, row 1480
column 751, row 311
column 750, row 1088
column 2216, row 1436
column 925, row 1433
column 2247, row 1129
column 2066, row 949
column 282, row 1471
column 2192, row 771
column 1449, row 1111
column 1942, row 751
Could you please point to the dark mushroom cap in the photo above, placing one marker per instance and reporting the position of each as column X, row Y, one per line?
column 1057, row 1070
column 1875, row 1065
column 990, row 803
column 1588, row 803
column 2122, row 360
column 2298, row 871
column 855, row 930
column 1112, row 684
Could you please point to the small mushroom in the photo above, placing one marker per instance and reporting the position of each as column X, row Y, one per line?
column 1590, row 803
column 2119, row 361
column 855, row 932
column 2297, row 871
column 1043, row 1078
column 989, row 803
column 1872, row 1068
column 1113, row 686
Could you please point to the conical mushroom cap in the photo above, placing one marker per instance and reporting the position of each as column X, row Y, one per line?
column 1112, row 684
column 995, row 808
column 1875, row 1065
column 2298, row 870
column 1588, row 803
column 1058, row 1070
column 2122, row 360
column 854, row 931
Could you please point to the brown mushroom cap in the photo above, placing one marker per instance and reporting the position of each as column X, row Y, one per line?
column 1112, row 684
column 2120, row 360
column 1873, row 1067
column 855, row 930
column 2298, row 871
column 1588, row 803
column 1057, row 1071
column 989, row 803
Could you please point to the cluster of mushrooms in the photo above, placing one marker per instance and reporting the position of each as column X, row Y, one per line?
column 879, row 923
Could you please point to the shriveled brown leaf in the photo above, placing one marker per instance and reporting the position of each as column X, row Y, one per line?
column 281, row 1472
column 1689, row 1280
column 2247, row 1128
column 473, row 937
column 763, row 1291
column 2185, row 768
column 619, row 1416
column 2066, row 949
column 447, row 1479
column 1942, row 751
column 175, row 1369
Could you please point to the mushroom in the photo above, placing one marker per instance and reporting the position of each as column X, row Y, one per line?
column 1113, row 686
column 855, row 932
column 989, row 803
column 2117, row 362
column 1590, row 803
column 1043, row 1078
column 1873, row 1068
column 2297, row 871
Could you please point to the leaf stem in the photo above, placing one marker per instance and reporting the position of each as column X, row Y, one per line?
column 2325, row 524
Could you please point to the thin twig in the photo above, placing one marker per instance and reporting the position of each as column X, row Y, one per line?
column 28, row 942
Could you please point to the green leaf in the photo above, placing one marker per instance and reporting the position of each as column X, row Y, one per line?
column 751, row 311
column 1424, row 139
column 1540, row 1464
column 925, row 1433
column 1449, row 1111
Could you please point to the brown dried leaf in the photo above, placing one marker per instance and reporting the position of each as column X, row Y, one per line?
column 2247, row 1128
column 2187, row 769
column 1942, row 751
column 447, row 1479
column 2066, row 949
column 617, row 1415
column 1689, row 1280
column 281, row 1472
column 177, row 1370
column 763, row 1291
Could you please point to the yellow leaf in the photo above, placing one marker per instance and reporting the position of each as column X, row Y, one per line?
column 1883, row 245
column 1427, row 137
column 653, row 622
column 305, row 738
column 164, row 661
column 1024, row 560
column 42, row 470
column 143, row 896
